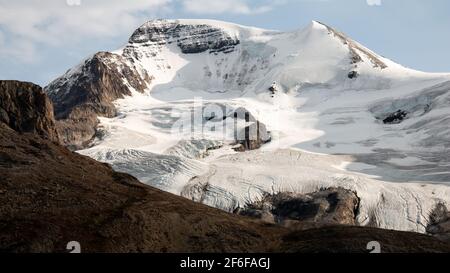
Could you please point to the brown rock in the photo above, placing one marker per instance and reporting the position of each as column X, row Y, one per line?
column 253, row 135
column 333, row 206
column 51, row 196
column 439, row 222
column 25, row 108
column 82, row 95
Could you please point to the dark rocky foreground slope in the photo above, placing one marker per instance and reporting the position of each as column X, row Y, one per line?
column 50, row 196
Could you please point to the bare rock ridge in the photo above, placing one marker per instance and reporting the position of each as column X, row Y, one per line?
column 88, row 91
column 189, row 38
column 50, row 196
column 25, row 108
column 356, row 50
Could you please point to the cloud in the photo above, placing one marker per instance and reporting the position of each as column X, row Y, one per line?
column 229, row 6
column 374, row 2
column 38, row 18
column 26, row 24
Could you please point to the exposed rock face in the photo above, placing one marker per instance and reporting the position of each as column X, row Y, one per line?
column 274, row 88
column 353, row 75
column 253, row 135
column 394, row 111
column 356, row 50
column 88, row 91
column 26, row 108
column 439, row 225
column 395, row 117
column 331, row 206
column 190, row 39
column 249, row 133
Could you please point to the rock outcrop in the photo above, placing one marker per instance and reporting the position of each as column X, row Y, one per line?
column 253, row 135
column 248, row 132
column 26, row 108
column 88, row 91
column 439, row 224
column 353, row 74
column 191, row 39
column 333, row 206
column 357, row 50
column 395, row 117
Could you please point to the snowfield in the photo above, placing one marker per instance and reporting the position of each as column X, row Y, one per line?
column 338, row 115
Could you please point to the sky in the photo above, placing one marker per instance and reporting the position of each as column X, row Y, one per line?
column 41, row 39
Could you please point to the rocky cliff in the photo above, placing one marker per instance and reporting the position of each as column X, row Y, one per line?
column 88, row 91
column 25, row 108
column 189, row 38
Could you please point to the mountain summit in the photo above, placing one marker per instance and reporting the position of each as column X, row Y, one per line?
column 212, row 56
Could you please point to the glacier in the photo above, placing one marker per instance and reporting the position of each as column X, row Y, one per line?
column 325, row 99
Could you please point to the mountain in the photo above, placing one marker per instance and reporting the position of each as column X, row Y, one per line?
column 25, row 108
column 50, row 196
column 88, row 91
column 225, row 114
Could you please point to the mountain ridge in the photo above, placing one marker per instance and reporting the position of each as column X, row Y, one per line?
column 78, row 94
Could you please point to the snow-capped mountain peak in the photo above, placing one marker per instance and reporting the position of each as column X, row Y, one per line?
column 363, row 120
column 218, row 56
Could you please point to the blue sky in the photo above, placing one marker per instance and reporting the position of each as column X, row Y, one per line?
column 41, row 39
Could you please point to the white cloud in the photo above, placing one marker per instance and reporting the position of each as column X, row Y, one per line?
column 27, row 23
column 37, row 18
column 374, row 2
column 229, row 6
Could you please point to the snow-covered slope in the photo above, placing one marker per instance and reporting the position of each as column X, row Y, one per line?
column 338, row 115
